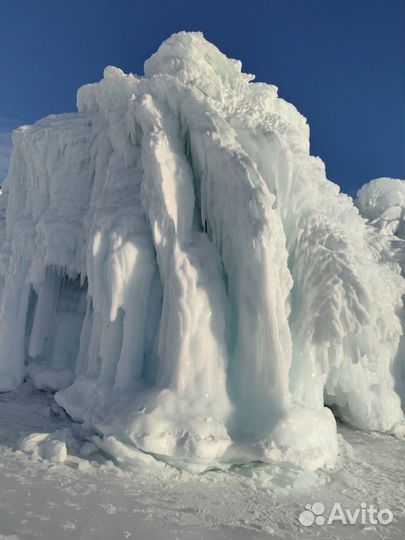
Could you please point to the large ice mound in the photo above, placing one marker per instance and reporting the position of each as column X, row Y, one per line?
column 177, row 266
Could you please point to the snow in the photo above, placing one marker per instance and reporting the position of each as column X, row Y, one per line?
column 177, row 267
column 44, row 445
column 382, row 203
column 381, row 195
column 88, row 497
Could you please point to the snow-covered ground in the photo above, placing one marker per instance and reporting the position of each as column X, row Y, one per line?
column 91, row 498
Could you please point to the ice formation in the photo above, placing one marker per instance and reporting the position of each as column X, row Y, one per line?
column 382, row 203
column 177, row 267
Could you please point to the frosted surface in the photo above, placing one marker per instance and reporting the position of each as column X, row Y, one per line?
column 382, row 202
column 177, row 267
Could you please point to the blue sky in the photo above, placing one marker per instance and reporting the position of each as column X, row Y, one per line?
column 341, row 62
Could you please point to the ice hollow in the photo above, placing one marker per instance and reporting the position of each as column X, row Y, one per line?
column 178, row 268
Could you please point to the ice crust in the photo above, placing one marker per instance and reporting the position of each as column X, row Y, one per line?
column 178, row 267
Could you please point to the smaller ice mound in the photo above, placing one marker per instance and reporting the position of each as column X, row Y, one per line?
column 382, row 202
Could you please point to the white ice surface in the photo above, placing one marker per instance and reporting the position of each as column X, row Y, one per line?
column 88, row 497
column 179, row 268
column 384, row 199
column 382, row 203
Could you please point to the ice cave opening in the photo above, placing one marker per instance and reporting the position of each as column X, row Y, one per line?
column 54, row 322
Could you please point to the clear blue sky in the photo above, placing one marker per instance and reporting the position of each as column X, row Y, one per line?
column 341, row 62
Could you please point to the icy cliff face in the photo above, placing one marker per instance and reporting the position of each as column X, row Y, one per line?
column 179, row 268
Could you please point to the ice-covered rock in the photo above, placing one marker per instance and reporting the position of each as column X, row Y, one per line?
column 175, row 246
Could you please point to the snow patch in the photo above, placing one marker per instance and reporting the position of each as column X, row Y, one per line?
column 49, row 446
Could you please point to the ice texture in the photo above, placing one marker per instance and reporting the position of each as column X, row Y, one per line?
column 178, row 267
column 49, row 446
column 382, row 203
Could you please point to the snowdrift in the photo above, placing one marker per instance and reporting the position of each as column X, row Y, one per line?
column 177, row 267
